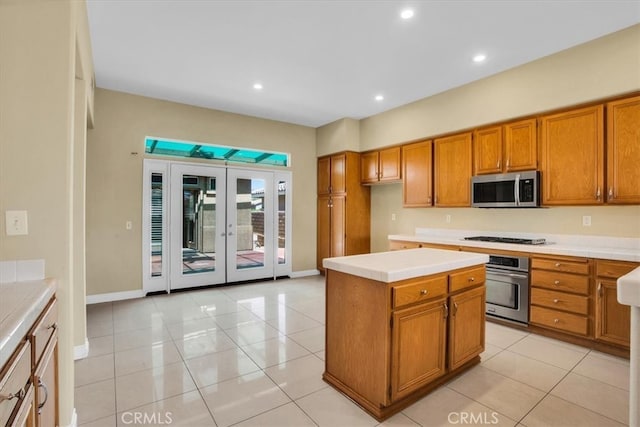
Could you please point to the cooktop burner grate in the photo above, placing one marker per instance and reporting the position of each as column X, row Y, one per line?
column 507, row 240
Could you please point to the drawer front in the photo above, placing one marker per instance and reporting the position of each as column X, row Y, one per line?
column 560, row 300
column 614, row 269
column 560, row 320
column 560, row 281
column 466, row 279
column 421, row 290
column 395, row 245
column 560, row 265
column 42, row 331
column 13, row 382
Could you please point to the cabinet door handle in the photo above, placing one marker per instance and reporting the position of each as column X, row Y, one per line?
column 508, row 162
column 446, row 310
column 556, row 320
column 498, row 164
column 556, row 282
column 599, row 288
column 556, row 300
column 42, row 385
column 423, row 291
column 472, row 279
column 455, row 308
column 17, row 395
column 598, row 194
column 611, row 193
column 558, row 264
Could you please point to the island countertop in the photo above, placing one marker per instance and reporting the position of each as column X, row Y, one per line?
column 406, row 264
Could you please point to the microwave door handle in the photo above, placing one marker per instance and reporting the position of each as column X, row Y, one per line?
column 516, row 190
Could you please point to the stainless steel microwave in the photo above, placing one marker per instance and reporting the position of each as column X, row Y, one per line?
column 508, row 190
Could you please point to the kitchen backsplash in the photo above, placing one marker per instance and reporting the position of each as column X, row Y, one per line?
column 21, row 271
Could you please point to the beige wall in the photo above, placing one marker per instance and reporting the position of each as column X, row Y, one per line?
column 38, row 42
column 114, row 177
column 341, row 135
column 599, row 69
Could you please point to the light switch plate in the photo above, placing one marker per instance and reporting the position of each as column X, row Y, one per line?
column 16, row 223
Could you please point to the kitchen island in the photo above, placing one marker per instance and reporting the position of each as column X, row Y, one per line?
column 399, row 324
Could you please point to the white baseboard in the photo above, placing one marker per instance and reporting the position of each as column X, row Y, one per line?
column 304, row 273
column 114, row 296
column 74, row 418
column 81, row 351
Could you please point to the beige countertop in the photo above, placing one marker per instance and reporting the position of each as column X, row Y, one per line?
column 20, row 305
column 400, row 265
column 602, row 247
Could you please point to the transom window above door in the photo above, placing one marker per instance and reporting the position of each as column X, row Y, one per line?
column 198, row 150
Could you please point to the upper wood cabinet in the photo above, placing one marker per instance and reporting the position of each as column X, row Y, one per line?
column 332, row 174
column 508, row 148
column 452, row 170
column 623, row 151
column 572, row 150
column 380, row 166
column 417, row 185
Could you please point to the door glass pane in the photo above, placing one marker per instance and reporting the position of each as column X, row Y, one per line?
column 282, row 203
column 198, row 224
column 157, row 225
column 250, row 223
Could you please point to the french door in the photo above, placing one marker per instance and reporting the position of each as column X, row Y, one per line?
column 207, row 225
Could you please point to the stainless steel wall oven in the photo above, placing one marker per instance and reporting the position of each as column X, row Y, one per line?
column 508, row 288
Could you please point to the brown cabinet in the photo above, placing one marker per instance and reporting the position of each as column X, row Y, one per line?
column 388, row 343
column 466, row 326
column 452, row 170
column 380, row 166
column 419, row 327
column 623, row 151
column 417, row 183
column 508, row 148
column 572, row 157
column 343, row 208
column 613, row 319
column 29, row 380
column 560, row 294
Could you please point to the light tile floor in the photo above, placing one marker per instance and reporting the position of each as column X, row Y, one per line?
column 253, row 355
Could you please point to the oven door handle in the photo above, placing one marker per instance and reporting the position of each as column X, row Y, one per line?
column 501, row 273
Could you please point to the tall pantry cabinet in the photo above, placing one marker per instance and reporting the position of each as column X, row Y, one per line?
column 343, row 207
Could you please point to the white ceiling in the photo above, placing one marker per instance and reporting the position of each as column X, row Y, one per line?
column 319, row 61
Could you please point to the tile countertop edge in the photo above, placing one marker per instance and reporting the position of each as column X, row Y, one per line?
column 392, row 267
column 27, row 300
column 549, row 249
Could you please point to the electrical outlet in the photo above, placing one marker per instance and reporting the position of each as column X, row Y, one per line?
column 129, row 225
column 447, row 219
column 393, row 217
column 586, row 220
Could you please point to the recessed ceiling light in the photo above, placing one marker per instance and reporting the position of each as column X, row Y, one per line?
column 479, row 57
column 379, row 97
column 257, row 86
column 407, row 14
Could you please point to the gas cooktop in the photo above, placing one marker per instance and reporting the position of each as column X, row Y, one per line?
column 507, row 240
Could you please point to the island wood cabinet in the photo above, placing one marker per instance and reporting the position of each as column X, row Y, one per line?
column 508, row 148
column 613, row 319
column 572, row 157
column 389, row 343
column 560, row 294
column 343, row 208
column 29, row 380
column 452, row 170
column 623, row 151
column 380, row 166
column 417, row 183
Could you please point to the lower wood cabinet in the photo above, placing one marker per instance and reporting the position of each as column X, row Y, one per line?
column 466, row 326
column 419, row 343
column 613, row 319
